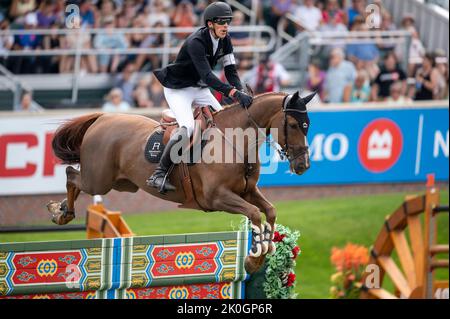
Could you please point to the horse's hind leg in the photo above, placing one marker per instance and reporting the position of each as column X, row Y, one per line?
column 63, row 212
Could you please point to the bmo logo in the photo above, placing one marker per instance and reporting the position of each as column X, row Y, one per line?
column 380, row 145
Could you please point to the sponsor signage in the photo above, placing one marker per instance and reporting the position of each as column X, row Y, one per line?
column 363, row 146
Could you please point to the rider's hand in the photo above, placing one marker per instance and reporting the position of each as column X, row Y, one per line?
column 244, row 99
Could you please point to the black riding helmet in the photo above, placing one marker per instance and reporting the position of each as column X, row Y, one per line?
column 217, row 10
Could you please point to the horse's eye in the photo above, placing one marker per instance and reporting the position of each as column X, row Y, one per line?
column 293, row 126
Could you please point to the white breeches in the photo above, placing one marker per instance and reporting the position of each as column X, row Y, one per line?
column 181, row 101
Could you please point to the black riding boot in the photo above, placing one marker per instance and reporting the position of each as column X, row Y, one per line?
column 159, row 177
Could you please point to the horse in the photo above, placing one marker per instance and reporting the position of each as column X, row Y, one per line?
column 109, row 150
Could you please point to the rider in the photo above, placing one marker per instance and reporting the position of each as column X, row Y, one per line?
column 188, row 79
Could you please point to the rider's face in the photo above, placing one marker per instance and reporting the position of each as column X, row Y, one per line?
column 221, row 27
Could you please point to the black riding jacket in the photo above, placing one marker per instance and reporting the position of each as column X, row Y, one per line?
column 194, row 63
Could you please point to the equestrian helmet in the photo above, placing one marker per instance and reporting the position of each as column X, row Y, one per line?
column 217, row 10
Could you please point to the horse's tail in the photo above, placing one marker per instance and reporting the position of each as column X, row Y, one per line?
column 67, row 139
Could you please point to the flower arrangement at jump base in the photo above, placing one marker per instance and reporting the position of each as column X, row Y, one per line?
column 280, row 267
column 350, row 263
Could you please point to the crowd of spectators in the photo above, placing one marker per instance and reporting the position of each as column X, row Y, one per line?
column 357, row 72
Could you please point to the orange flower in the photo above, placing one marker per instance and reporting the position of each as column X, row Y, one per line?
column 350, row 257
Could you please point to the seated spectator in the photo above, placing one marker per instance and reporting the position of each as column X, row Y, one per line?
column 76, row 37
column 333, row 12
column 156, row 93
column 53, row 41
column 339, row 75
column 152, row 40
column 442, row 66
column 115, row 103
column 363, row 55
column 46, row 14
column 108, row 10
column 316, row 78
column 397, row 95
column 386, row 25
column 149, row 93
column 390, row 73
column 26, row 64
column 427, row 79
column 6, row 41
column 184, row 16
column 268, row 76
column 157, row 12
column 357, row 9
column 20, row 8
column 126, row 81
column 359, row 90
column 239, row 38
column 28, row 105
column 109, row 39
column 309, row 16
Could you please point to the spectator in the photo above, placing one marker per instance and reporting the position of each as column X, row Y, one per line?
column 427, row 79
column 408, row 21
column 442, row 66
column 277, row 9
column 19, row 8
column 108, row 10
column 78, row 36
column 268, row 76
column 308, row 16
column 28, row 105
column 126, row 81
column 115, row 103
column 358, row 8
column 109, row 40
column 333, row 12
column 363, row 55
column 184, row 16
column 397, row 95
column 88, row 13
column 157, row 12
column 6, row 41
column 26, row 42
column 416, row 51
column 390, row 73
column 386, row 25
column 359, row 90
column 53, row 41
column 339, row 75
column 316, row 78
column 152, row 40
column 239, row 38
column 46, row 14
column 141, row 94
column 156, row 93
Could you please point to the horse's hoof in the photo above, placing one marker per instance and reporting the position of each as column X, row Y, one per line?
column 257, row 240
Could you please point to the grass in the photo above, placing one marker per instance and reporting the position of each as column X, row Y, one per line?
column 322, row 223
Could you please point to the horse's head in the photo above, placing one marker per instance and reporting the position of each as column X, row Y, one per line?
column 293, row 128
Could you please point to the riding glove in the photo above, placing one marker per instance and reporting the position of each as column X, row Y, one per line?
column 244, row 99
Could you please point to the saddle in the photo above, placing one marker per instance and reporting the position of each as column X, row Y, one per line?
column 203, row 120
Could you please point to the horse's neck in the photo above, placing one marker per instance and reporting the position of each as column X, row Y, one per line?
column 263, row 109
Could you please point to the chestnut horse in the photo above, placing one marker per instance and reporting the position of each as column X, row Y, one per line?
column 110, row 151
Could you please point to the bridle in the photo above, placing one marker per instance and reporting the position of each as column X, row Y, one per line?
column 284, row 152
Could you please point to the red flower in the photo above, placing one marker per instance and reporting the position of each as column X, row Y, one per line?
column 277, row 237
column 295, row 252
column 290, row 279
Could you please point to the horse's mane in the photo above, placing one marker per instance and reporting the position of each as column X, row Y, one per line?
column 255, row 99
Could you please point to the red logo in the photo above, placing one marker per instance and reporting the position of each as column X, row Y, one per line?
column 380, row 145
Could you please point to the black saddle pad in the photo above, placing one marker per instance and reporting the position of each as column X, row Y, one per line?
column 154, row 147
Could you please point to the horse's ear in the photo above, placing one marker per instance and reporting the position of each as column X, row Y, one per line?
column 295, row 97
column 308, row 98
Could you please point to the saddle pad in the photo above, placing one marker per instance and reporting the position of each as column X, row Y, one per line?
column 154, row 147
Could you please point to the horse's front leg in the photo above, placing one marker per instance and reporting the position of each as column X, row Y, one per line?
column 226, row 200
column 256, row 198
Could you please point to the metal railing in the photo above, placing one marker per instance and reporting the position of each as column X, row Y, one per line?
column 12, row 83
column 263, row 44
